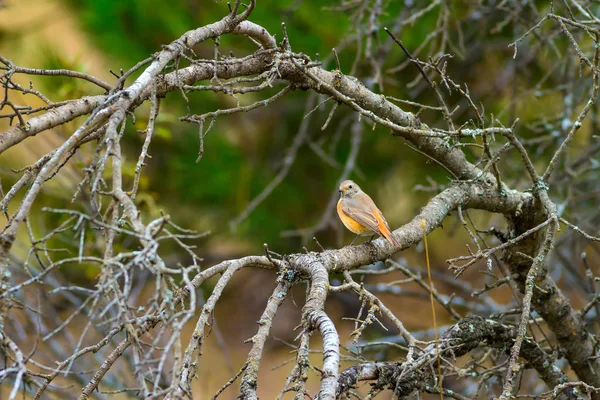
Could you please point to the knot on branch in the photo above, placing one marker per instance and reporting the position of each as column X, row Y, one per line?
column 385, row 375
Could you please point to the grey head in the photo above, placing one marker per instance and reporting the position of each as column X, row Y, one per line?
column 348, row 189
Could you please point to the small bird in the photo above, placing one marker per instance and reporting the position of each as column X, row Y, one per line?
column 360, row 215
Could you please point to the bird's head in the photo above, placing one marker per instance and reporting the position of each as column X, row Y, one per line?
column 349, row 188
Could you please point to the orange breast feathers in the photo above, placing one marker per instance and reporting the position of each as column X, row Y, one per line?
column 349, row 222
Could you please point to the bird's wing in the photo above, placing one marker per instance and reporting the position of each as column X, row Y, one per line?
column 363, row 211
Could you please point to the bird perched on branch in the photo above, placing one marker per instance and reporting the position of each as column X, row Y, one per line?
column 360, row 215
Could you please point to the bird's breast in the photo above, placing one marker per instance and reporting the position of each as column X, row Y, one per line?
column 349, row 222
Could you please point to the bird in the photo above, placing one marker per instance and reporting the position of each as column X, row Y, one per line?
column 360, row 215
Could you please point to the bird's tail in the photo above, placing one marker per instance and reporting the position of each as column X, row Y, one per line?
column 384, row 230
column 390, row 238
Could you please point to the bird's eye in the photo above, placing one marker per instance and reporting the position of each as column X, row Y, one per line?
column 350, row 187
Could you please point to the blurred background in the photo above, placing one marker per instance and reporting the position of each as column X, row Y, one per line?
column 244, row 153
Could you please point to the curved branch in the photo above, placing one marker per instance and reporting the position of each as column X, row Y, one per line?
column 315, row 318
column 353, row 93
column 331, row 354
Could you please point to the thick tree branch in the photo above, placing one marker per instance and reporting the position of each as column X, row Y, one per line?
column 462, row 338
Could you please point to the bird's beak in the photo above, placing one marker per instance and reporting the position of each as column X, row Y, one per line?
column 340, row 190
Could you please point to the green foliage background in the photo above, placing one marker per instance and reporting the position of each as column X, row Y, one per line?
column 244, row 152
